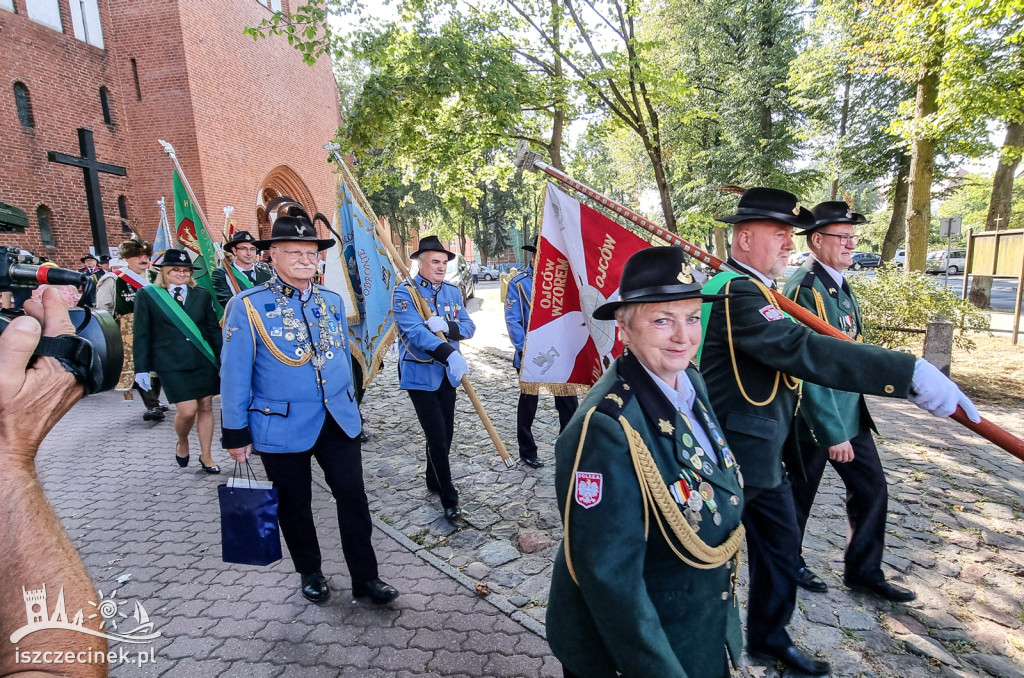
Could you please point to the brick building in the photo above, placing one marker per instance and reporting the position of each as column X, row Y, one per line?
column 246, row 118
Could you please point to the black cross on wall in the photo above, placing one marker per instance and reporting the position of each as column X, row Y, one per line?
column 91, row 169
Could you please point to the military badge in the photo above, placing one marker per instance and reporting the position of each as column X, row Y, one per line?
column 588, row 489
column 665, row 426
column 684, row 275
column 403, row 305
column 771, row 313
column 276, row 331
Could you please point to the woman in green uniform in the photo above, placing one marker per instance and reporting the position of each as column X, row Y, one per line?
column 644, row 583
column 178, row 337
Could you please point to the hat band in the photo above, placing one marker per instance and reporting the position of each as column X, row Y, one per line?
column 659, row 290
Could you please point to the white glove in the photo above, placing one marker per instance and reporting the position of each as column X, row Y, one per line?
column 931, row 390
column 437, row 324
column 142, row 379
column 457, row 366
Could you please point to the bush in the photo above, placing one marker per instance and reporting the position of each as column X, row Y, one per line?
column 895, row 299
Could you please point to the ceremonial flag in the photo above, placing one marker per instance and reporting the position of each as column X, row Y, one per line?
column 194, row 236
column 163, row 240
column 372, row 279
column 580, row 256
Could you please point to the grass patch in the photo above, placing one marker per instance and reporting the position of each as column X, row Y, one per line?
column 993, row 373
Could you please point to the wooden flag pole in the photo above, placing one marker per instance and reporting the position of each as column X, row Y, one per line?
column 530, row 160
column 421, row 306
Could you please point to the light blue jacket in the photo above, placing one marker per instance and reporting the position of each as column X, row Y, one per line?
column 272, row 397
column 423, row 356
column 517, row 312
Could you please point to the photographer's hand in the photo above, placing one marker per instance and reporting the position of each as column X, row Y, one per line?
column 34, row 549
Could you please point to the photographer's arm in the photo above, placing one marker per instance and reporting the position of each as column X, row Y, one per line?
column 34, row 549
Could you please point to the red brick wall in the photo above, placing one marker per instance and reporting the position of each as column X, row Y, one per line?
column 63, row 76
column 234, row 109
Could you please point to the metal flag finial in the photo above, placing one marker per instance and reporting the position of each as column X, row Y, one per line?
column 168, row 149
column 525, row 158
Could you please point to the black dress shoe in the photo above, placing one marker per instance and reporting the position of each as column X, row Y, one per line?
column 153, row 415
column 882, row 589
column 806, row 579
column 794, row 658
column 314, row 587
column 162, row 408
column 377, row 591
column 363, row 436
column 532, row 463
column 452, row 514
column 210, row 469
column 182, row 461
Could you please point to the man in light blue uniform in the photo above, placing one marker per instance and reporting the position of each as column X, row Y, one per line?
column 429, row 367
column 517, row 320
column 287, row 394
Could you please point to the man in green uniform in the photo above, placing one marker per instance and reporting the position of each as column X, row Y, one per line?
column 753, row 360
column 243, row 272
column 644, row 583
column 835, row 426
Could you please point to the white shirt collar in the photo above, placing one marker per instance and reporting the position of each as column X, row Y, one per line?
column 837, row 276
column 768, row 282
column 682, row 396
column 243, row 270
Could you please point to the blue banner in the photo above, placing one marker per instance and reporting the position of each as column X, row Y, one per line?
column 373, row 280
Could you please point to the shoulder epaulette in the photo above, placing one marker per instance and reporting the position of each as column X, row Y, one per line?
column 255, row 289
column 616, row 399
column 808, row 280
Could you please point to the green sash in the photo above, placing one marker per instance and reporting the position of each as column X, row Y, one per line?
column 176, row 314
column 242, row 278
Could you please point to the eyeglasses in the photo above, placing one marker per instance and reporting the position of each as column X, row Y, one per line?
column 844, row 240
column 245, row 249
column 299, row 254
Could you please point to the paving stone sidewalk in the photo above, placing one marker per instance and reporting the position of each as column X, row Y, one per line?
column 955, row 537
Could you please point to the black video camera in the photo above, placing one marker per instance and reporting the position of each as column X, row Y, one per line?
column 93, row 354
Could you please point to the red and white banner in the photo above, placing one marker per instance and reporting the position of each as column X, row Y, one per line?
column 579, row 261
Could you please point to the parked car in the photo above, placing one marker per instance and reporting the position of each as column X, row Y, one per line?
column 798, row 258
column 899, row 259
column 458, row 274
column 865, row 260
column 937, row 262
column 489, row 273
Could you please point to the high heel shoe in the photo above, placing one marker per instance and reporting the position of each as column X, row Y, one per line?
column 210, row 469
column 182, row 461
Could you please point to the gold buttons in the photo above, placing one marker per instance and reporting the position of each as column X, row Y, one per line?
column 889, row 388
column 325, row 401
column 266, row 410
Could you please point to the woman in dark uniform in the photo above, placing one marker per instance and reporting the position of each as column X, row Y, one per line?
column 644, row 583
column 178, row 337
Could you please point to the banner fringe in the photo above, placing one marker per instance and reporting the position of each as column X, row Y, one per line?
column 555, row 389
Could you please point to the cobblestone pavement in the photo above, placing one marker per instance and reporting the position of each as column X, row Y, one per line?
column 955, row 538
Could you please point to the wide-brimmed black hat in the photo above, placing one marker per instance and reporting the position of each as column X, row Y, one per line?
column 431, row 244
column 104, row 258
column 89, row 256
column 237, row 239
column 530, row 247
column 295, row 227
column 770, row 203
column 173, row 257
column 832, row 212
column 653, row 275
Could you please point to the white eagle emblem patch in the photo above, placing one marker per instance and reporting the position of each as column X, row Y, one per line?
column 772, row 313
column 588, row 489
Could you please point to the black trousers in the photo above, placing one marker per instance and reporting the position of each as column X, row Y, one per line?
column 436, row 412
column 773, row 548
column 339, row 457
column 150, row 398
column 867, row 501
column 527, row 412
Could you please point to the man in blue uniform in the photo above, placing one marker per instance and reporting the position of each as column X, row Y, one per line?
column 286, row 393
column 430, row 367
column 753, row 361
column 833, row 425
column 517, row 320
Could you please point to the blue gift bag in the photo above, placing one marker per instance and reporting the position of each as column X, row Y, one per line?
column 248, row 520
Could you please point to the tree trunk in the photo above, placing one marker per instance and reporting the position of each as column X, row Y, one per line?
column 901, row 189
column 922, row 161
column 999, row 204
column 720, row 249
column 558, row 80
column 843, row 117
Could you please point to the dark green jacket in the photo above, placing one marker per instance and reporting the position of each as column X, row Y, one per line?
column 160, row 346
column 638, row 609
column 828, row 416
column 752, row 361
column 223, row 288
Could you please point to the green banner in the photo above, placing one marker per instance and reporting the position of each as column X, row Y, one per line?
column 191, row 232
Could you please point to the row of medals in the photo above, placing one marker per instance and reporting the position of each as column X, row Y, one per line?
column 693, row 500
column 297, row 332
